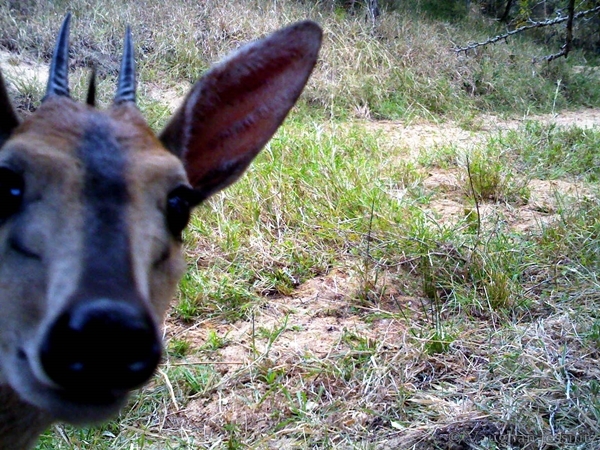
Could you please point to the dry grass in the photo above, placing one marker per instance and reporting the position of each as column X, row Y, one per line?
column 358, row 288
column 401, row 68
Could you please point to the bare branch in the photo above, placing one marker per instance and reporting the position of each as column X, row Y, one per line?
column 564, row 51
column 545, row 23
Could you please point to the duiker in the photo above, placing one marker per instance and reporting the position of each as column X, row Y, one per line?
column 92, row 206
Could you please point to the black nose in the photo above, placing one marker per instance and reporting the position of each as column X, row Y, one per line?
column 101, row 345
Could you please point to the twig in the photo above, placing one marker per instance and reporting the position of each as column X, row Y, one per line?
column 367, row 285
column 169, row 388
column 545, row 23
column 564, row 51
column 59, row 429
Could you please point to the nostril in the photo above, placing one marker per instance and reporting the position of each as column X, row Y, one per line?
column 101, row 344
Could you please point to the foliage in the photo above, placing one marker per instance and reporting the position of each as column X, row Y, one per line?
column 399, row 68
column 445, row 9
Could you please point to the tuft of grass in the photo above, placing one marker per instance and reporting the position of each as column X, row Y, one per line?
column 570, row 244
column 179, row 348
column 548, row 151
column 214, row 341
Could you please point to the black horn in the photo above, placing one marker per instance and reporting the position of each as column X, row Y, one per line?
column 91, row 94
column 58, row 80
column 126, row 86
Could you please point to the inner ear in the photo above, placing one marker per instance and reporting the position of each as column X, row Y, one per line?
column 233, row 111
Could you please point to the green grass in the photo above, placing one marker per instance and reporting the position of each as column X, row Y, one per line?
column 548, row 151
column 353, row 289
column 481, row 289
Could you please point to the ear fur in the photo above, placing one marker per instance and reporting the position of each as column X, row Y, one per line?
column 8, row 118
column 233, row 111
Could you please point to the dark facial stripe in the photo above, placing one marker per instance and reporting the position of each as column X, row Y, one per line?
column 107, row 268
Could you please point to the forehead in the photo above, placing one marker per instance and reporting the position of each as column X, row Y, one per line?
column 108, row 170
column 113, row 145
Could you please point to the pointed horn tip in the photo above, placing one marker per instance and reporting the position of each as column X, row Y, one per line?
column 66, row 22
column 126, row 82
column 58, row 83
column 129, row 39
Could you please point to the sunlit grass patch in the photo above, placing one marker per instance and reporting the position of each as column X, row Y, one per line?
column 548, row 151
column 304, row 205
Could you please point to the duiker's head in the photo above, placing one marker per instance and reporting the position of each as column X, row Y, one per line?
column 92, row 206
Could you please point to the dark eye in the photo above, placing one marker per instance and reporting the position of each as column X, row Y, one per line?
column 179, row 204
column 11, row 192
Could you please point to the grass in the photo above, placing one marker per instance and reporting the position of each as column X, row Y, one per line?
column 357, row 288
column 555, row 153
column 386, row 72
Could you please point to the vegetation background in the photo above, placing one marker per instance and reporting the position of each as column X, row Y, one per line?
column 412, row 262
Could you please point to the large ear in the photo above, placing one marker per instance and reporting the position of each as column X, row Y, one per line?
column 8, row 117
column 233, row 111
